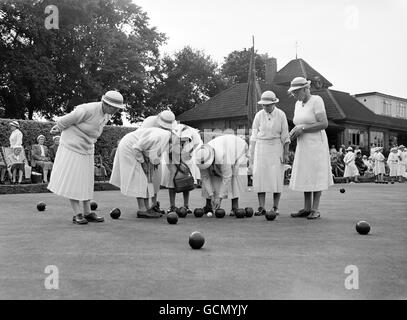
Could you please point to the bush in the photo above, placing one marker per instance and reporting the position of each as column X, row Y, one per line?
column 32, row 129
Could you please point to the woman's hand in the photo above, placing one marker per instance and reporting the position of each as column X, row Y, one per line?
column 296, row 132
column 55, row 130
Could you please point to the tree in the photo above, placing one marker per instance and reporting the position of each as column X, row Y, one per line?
column 183, row 81
column 99, row 46
column 236, row 66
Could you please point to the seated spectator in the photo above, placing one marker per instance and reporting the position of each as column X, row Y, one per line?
column 54, row 148
column 16, row 164
column 3, row 169
column 360, row 163
column 41, row 158
column 100, row 169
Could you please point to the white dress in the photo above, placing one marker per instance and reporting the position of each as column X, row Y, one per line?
column 351, row 170
column 311, row 169
column 393, row 163
column 127, row 172
column 379, row 167
column 269, row 134
column 169, row 169
column 227, row 176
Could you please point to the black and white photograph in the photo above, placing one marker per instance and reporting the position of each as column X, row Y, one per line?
column 203, row 155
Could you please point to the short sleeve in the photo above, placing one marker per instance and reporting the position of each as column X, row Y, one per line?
column 319, row 105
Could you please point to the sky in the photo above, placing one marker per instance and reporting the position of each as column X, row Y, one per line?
column 358, row 45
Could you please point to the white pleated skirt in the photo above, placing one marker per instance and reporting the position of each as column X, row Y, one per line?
column 351, row 170
column 129, row 176
column 268, row 170
column 311, row 169
column 72, row 175
column 401, row 169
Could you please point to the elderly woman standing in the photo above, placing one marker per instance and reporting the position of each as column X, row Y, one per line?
column 268, row 151
column 138, row 154
column 41, row 157
column 311, row 172
column 73, row 173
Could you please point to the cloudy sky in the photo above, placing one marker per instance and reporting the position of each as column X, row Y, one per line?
column 358, row 45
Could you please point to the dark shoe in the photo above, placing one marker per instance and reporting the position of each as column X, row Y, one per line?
column 172, row 209
column 207, row 209
column 148, row 214
column 275, row 209
column 301, row 214
column 260, row 212
column 79, row 219
column 314, row 215
column 156, row 208
column 93, row 217
column 189, row 211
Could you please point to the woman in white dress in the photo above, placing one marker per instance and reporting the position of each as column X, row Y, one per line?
column 351, row 170
column 379, row 166
column 311, row 172
column 137, row 156
column 268, row 151
column 188, row 140
column 72, row 175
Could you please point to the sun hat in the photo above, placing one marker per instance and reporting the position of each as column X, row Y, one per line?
column 166, row 119
column 14, row 124
column 401, row 147
column 298, row 83
column 349, row 149
column 204, row 157
column 114, row 99
column 40, row 136
column 17, row 147
column 55, row 137
column 268, row 97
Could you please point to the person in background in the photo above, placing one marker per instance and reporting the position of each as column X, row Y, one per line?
column 333, row 150
column 16, row 136
column 379, row 168
column 52, row 151
column 73, row 173
column 402, row 167
column 393, row 163
column 359, row 163
column 351, row 171
column 3, row 169
column 41, row 158
column 16, row 161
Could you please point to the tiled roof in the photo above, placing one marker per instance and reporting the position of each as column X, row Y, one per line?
column 299, row 68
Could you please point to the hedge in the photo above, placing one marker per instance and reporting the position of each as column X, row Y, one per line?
column 32, row 129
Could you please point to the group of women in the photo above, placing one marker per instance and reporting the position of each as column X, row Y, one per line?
column 151, row 156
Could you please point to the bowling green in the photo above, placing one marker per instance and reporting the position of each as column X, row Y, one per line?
column 248, row 258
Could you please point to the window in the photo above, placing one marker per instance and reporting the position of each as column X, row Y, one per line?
column 354, row 136
column 402, row 110
column 386, row 108
column 377, row 137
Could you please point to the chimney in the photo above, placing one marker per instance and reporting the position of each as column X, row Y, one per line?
column 271, row 69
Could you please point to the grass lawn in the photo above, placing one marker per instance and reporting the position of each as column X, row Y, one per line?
column 248, row 258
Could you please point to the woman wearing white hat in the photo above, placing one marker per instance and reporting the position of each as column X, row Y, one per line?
column 393, row 163
column 136, row 156
column 268, row 151
column 379, row 167
column 16, row 163
column 223, row 165
column 185, row 141
column 164, row 120
column 402, row 167
column 16, row 136
column 41, row 158
column 73, row 173
column 311, row 172
column 351, row 170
